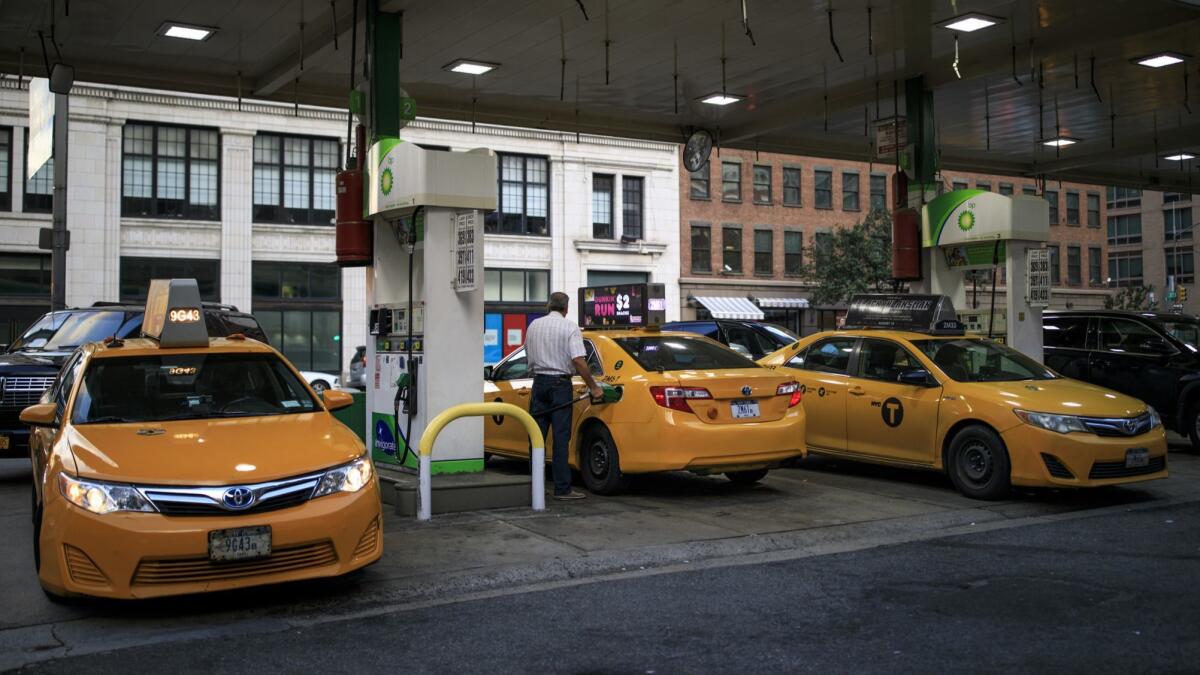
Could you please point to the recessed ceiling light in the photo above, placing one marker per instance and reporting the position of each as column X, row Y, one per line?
column 1180, row 157
column 969, row 22
column 720, row 98
column 470, row 67
column 1160, row 60
column 186, row 31
column 1061, row 141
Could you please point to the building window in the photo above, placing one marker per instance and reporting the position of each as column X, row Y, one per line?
column 136, row 274
column 791, row 186
column 1093, row 207
column 1051, row 197
column 731, row 247
column 983, row 185
column 731, row 182
column 1125, row 269
column 602, row 206
column 632, row 191
column 516, row 286
column 958, row 185
column 793, row 253
column 1006, row 189
column 171, row 172
column 1126, row 229
column 1177, row 224
column 1073, row 266
column 762, row 184
column 299, row 306
column 823, row 189
column 824, row 244
column 702, row 249
column 1055, row 266
column 5, row 168
column 849, row 191
column 1171, row 197
column 879, row 192
column 1181, row 264
column 39, row 190
column 524, row 207
column 699, row 182
column 1120, row 198
column 1072, row 207
column 25, row 275
column 764, row 243
column 1029, row 190
column 294, row 179
column 1094, row 263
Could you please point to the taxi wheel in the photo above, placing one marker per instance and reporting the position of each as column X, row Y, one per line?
column 978, row 463
column 37, row 536
column 320, row 386
column 747, row 477
column 600, row 463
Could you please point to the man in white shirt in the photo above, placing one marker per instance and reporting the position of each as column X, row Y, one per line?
column 554, row 347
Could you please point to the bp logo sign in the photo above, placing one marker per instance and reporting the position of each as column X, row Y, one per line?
column 966, row 220
column 386, row 181
column 385, row 442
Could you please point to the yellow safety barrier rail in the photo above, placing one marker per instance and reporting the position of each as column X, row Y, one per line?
column 537, row 455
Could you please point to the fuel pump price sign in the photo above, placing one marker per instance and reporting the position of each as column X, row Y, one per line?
column 465, row 246
column 1037, row 274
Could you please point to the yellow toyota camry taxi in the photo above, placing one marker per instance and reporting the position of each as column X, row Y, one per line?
column 689, row 403
column 173, row 464
column 987, row 415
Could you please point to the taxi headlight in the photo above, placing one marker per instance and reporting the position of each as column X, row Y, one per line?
column 1155, row 420
column 99, row 497
column 1063, row 424
column 350, row 477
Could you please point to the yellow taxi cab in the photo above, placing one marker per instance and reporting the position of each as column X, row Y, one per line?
column 917, row 391
column 175, row 463
column 688, row 403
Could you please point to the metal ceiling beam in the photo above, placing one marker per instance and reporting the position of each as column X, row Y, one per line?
column 318, row 45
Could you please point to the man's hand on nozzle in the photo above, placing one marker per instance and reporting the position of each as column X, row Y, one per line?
column 596, row 391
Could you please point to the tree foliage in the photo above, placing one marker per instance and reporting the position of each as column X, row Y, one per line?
column 1133, row 298
column 851, row 260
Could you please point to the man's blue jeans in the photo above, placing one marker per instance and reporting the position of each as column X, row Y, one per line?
column 550, row 391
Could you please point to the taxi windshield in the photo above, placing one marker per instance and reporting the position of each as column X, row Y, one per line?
column 64, row 331
column 188, row 386
column 662, row 353
column 975, row 360
column 1186, row 330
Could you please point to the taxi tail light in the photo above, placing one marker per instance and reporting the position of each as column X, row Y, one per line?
column 676, row 398
column 792, row 390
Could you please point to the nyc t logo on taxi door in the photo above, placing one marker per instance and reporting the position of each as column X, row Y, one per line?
column 892, row 412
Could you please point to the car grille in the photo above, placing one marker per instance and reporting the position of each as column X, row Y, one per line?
column 369, row 541
column 21, row 392
column 201, row 569
column 1118, row 426
column 209, row 501
column 1055, row 466
column 81, row 567
column 1119, row 470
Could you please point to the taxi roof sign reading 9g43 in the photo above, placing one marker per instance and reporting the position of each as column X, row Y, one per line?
column 932, row 314
column 623, row 306
column 174, row 315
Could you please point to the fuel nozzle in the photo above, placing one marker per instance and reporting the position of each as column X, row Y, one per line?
column 608, row 394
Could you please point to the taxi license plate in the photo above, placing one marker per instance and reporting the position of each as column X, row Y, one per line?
column 3, row 442
column 744, row 409
column 1137, row 457
column 240, row 543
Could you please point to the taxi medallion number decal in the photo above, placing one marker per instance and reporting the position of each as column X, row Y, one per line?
column 239, row 543
column 892, row 411
column 743, row 409
column 184, row 315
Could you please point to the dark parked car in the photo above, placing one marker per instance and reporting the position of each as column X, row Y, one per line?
column 754, row 339
column 1153, row 356
column 28, row 366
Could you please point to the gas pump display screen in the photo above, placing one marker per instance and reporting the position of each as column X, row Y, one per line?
column 920, row 313
column 632, row 305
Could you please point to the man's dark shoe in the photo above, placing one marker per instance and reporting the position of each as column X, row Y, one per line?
column 573, row 494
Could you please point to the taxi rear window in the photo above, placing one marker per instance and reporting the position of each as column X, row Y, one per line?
column 188, row 386
column 661, row 353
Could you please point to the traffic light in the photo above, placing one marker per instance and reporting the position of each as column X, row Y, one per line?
column 1183, row 294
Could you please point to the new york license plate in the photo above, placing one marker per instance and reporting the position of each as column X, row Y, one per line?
column 1137, row 457
column 745, row 408
column 240, row 543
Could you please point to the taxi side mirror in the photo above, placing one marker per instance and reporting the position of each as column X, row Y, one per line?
column 336, row 400
column 917, row 377
column 487, row 372
column 40, row 415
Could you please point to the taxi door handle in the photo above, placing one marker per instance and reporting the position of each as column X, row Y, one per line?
column 522, row 392
column 856, row 391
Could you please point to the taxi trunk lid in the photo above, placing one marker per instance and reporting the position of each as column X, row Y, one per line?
column 735, row 393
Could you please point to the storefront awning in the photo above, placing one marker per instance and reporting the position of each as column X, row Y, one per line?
column 731, row 308
column 783, row 303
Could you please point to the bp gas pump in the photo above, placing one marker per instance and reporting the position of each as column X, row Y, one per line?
column 974, row 229
column 425, row 289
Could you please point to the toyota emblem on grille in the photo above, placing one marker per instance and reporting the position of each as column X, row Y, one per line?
column 238, row 498
column 1130, row 426
column 746, row 390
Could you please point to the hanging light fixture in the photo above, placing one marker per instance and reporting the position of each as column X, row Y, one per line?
column 1160, row 59
column 969, row 22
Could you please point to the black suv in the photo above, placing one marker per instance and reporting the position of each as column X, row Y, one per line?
column 28, row 366
column 1153, row 356
column 753, row 339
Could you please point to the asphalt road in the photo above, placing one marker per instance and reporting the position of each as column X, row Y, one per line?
column 1111, row 593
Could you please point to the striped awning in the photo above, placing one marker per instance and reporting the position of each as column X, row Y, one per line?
column 730, row 308
column 783, row 303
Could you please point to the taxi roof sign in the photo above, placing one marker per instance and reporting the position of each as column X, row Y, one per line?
column 623, row 306
column 174, row 315
column 932, row 314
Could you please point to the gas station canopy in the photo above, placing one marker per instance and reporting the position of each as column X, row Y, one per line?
column 810, row 77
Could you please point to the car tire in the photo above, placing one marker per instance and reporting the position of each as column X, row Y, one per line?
column 37, row 537
column 978, row 463
column 600, row 463
column 1193, row 425
column 747, row 477
column 320, row 386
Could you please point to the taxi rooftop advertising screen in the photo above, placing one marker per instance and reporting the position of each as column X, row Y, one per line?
column 622, row 306
column 919, row 313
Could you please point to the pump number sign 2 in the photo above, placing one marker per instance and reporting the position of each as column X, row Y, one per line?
column 1037, row 270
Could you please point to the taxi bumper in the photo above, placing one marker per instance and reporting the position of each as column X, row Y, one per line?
column 144, row 555
column 1046, row 458
column 681, row 441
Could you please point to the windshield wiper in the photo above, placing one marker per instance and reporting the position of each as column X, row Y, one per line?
column 109, row 419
